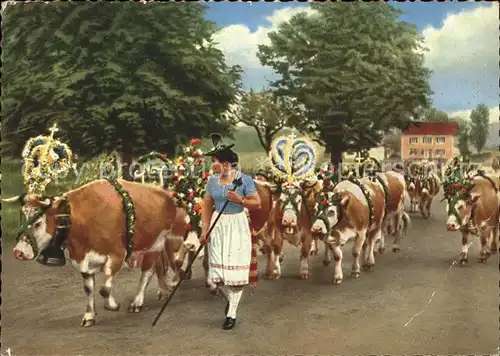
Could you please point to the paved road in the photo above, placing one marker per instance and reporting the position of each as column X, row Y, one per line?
column 42, row 308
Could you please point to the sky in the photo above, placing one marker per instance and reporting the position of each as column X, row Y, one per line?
column 462, row 39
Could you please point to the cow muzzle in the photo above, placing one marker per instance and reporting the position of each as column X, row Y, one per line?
column 21, row 255
column 452, row 226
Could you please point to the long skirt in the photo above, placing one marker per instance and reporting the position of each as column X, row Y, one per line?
column 229, row 250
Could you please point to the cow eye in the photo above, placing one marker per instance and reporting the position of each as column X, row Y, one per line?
column 37, row 224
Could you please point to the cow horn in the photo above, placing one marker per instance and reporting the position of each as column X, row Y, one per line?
column 46, row 202
column 15, row 199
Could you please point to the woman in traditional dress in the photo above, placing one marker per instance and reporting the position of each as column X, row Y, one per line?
column 229, row 243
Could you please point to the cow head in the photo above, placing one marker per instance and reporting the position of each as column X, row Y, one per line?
column 290, row 203
column 327, row 213
column 459, row 209
column 38, row 226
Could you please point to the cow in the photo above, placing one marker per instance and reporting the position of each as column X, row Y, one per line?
column 429, row 187
column 478, row 212
column 345, row 215
column 395, row 184
column 292, row 220
column 96, row 234
column 413, row 186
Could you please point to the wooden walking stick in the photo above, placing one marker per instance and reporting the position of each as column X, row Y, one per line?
column 236, row 183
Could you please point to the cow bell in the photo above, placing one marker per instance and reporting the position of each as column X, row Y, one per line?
column 52, row 256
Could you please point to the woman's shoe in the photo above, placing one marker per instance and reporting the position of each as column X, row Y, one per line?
column 229, row 323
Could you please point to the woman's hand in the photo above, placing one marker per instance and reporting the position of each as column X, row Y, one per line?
column 234, row 197
column 204, row 239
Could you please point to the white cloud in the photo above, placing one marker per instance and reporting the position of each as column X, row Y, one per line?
column 465, row 114
column 467, row 41
column 239, row 43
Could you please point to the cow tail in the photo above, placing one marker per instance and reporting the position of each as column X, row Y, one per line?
column 406, row 222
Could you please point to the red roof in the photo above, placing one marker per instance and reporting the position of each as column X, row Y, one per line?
column 433, row 128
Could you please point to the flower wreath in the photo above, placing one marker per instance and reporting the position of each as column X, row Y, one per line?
column 456, row 184
column 188, row 182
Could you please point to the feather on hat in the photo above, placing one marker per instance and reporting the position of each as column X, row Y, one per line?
column 218, row 145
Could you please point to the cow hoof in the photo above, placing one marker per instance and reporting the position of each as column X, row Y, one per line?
column 281, row 258
column 395, row 249
column 493, row 250
column 482, row 259
column 326, row 263
column 304, row 276
column 136, row 308
column 162, row 295
column 463, row 261
column 355, row 274
column 276, row 276
column 368, row 267
column 337, row 280
column 112, row 308
column 87, row 322
column 381, row 250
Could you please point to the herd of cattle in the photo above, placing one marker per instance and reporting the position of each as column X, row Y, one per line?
column 362, row 209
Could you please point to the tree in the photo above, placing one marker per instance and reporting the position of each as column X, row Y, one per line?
column 137, row 77
column 392, row 144
column 357, row 70
column 266, row 113
column 463, row 136
column 434, row 114
column 479, row 126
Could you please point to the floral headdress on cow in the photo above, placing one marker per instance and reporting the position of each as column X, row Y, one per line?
column 293, row 159
column 44, row 159
column 456, row 184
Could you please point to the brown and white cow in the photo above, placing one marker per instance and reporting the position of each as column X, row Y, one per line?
column 292, row 221
column 95, row 240
column 478, row 214
column 346, row 218
column 430, row 185
column 395, row 214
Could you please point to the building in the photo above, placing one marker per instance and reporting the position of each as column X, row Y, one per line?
column 376, row 152
column 431, row 140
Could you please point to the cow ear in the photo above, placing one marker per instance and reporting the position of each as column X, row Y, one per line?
column 474, row 198
column 344, row 201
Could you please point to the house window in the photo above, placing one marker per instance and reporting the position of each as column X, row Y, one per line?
column 440, row 139
column 413, row 152
column 440, row 152
column 413, row 139
column 427, row 139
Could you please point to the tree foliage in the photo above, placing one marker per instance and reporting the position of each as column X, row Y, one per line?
column 266, row 113
column 434, row 114
column 357, row 70
column 463, row 137
column 136, row 77
column 479, row 126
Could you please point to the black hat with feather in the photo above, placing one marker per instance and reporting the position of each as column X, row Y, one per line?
column 219, row 146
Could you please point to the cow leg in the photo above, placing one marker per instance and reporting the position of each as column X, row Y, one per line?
column 111, row 268
column 386, row 229
column 369, row 255
column 161, row 267
column 307, row 243
column 428, row 207
column 88, row 287
column 356, row 250
column 273, row 251
column 397, row 232
column 465, row 248
column 338, row 275
column 485, row 253
column 494, row 237
column 147, row 270
column 327, row 259
column 314, row 247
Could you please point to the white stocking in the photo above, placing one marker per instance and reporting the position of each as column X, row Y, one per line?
column 234, row 295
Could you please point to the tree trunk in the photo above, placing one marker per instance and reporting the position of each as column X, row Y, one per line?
column 336, row 162
column 127, row 158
